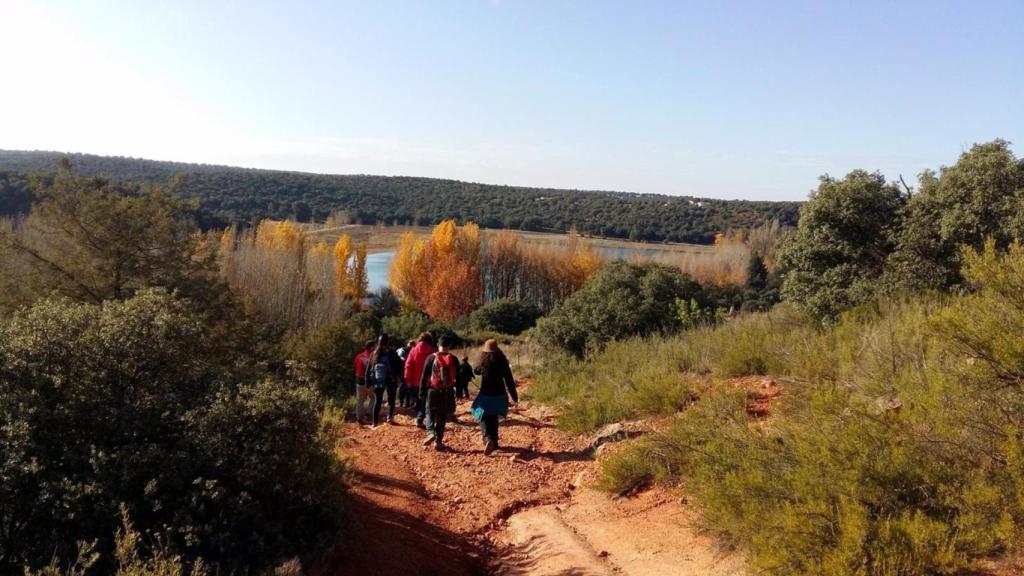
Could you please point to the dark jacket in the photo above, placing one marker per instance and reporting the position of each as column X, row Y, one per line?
column 465, row 374
column 496, row 376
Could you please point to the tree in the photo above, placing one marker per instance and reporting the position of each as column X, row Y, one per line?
column 757, row 273
column 92, row 241
column 847, row 230
column 979, row 197
column 621, row 300
column 506, row 316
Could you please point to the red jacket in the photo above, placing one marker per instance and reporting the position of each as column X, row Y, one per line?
column 415, row 362
column 362, row 363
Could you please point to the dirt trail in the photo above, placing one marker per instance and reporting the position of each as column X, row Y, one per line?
column 524, row 510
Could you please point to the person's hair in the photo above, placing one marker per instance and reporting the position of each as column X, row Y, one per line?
column 370, row 345
column 379, row 348
column 465, row 358
column 426, row 337
column 445, row 341
column 492, row 359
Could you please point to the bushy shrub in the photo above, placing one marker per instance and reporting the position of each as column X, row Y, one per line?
column 127, row 404
column 847, row 229
column 505, row 317
column 620, row 301
column 324, row 358
column 406, row 326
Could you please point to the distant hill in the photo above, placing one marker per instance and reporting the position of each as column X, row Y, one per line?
column 242, row 195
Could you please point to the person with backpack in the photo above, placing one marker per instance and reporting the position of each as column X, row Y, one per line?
column 382, row 376
column 465, row 377
column 363, row 392
column 496, row 385
column 414, row 364
column 436, row 387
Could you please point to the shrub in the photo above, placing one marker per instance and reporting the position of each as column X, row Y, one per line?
column 128, row 405
column 324, row 357
column 505, row 317
column 406, row 326
column 620, row 301
column 847, row 229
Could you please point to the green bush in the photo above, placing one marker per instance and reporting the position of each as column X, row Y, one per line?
column 129, row 405
column 620, row 301
column 505, row 317
column 324, row 358
column 407, row 326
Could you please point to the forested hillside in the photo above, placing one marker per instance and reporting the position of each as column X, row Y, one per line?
column 239, row 195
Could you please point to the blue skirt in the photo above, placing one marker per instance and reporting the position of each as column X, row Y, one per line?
column 487, row 405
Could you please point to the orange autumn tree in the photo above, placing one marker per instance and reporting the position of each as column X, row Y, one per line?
column 440, row 275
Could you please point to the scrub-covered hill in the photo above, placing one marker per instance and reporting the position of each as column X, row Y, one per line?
column 228, row 194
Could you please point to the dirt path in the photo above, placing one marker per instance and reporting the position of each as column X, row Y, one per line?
column 523, row 510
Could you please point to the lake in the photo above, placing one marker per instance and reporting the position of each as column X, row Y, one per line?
column 377, row 265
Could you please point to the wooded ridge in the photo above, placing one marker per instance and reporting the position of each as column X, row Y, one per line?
column 230, row 195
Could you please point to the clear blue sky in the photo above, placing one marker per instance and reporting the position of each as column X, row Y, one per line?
column 721, row 99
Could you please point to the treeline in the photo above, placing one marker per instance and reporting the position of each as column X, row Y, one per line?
column 242, row 196
column 456, row 270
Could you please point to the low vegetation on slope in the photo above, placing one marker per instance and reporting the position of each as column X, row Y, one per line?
column 898, row 447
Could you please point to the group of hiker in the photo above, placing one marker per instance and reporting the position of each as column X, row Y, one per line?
column 424, row 376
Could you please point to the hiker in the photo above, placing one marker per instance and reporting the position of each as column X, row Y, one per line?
column 436, row 387
column 465, row 377
column 414, row 372
column 382, row 376
column 404, row 398
column 363, row 392
column 496, row 385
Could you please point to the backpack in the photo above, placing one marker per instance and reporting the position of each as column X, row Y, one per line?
column 443, row 371
column 380, row 373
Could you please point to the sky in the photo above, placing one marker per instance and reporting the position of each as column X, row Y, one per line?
column 719, row 99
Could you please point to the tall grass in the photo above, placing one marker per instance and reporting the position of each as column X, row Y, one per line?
column 728, row 261
column 285, row 278
column 649, row 376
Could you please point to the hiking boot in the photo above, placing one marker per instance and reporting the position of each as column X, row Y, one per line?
column 439, row 447
column 419, row 424
column 430, row 438
column 489, row 446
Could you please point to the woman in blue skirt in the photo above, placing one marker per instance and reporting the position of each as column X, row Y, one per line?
column 496, row 385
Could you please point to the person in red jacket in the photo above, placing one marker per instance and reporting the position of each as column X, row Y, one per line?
column 364, row 393
column 414, row 364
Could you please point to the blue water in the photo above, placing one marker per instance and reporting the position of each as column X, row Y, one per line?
column 377, row 265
